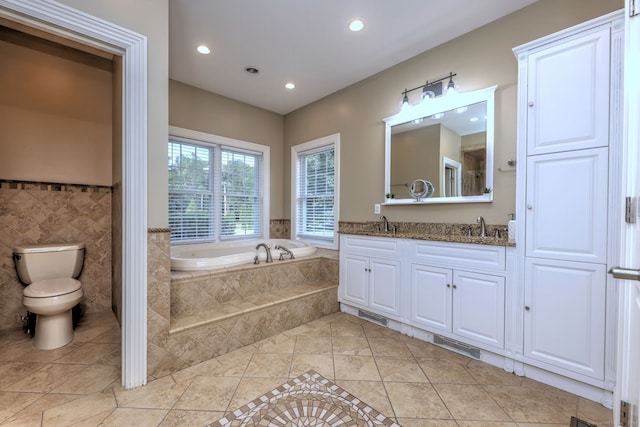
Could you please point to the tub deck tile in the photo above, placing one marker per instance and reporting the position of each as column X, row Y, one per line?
column 251, row 304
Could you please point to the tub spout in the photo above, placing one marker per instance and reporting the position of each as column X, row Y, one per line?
column 285, row 251
column 267, row 250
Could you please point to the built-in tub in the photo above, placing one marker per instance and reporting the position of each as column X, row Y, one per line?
column 211, row 256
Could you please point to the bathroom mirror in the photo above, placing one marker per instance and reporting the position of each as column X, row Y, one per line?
column 447, row 141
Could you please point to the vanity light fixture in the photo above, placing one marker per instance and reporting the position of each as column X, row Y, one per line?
column 430, row 89
column 204, row 50
column 405, row 100
column 451, row 87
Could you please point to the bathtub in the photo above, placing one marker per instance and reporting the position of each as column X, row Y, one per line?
column 211, row 256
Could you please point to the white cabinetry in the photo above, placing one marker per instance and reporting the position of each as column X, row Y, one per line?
column 565, row 315
column 462, row 304
column 370, row 274
column 569, row 89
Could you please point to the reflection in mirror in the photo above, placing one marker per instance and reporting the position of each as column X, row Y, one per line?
column 447, row 141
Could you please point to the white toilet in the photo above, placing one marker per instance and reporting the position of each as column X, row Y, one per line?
column 50, row 271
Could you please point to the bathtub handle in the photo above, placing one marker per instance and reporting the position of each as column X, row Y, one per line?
column 256, row 260
column 284, row 251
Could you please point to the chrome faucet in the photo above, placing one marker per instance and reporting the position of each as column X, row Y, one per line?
column 285, row 251
column 385, row 223
column 267, row 250
column 483, row 227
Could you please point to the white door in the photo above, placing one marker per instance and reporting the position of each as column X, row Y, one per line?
column 565, row 315
column 478, row 307
column 569, row 80
column 628, row 367
column 384, row 279
column 431, row 297
column 566, row 213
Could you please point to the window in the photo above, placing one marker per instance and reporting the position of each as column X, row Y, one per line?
column 216, row 188
column 315, row 191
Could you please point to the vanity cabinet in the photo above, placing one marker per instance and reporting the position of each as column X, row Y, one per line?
column 450, row 295
column 370, row 271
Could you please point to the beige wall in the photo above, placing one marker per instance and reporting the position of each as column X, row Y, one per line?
column 52, row 129
column 196, row 109
column 149, row 18
column 481, row 58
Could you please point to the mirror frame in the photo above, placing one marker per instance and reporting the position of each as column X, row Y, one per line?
column 433, row 106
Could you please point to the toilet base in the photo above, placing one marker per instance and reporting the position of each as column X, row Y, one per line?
column 53, row 331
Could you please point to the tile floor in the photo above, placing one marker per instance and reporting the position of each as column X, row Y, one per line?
column 413, row 382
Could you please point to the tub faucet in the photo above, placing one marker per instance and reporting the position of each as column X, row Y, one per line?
column 267, row 250
column 385, row 223
column 285, row 251
column 483, row 227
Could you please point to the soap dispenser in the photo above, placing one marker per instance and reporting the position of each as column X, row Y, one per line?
column 511, row 228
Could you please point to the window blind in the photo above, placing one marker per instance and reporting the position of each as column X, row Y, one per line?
column 215, row 193
column 315, row 178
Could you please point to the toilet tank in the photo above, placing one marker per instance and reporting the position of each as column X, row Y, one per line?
column 51, row 261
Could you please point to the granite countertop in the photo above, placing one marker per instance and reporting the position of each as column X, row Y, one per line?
column 438, row 237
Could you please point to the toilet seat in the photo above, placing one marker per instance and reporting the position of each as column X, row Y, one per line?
column 51, row 288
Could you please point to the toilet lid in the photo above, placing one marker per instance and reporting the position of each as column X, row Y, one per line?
column 51, row 288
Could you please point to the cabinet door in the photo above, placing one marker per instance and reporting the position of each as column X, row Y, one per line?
column 565, row 315
column 478, row 307
column 568, row 95
column 354, row 275
column 384, row 277
column 431, row 297
column 566, row 212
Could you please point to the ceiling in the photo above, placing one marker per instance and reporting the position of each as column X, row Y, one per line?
column 308, row 42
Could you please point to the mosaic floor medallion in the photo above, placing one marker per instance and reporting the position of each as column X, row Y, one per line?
column 309, row 400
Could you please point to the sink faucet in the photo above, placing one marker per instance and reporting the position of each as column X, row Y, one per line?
column 385, row 223
column 286, row 251
column 483, row 227
column 267, row 250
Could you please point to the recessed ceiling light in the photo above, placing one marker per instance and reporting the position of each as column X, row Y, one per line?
column 203, row 49
column 356, row 25
column 473, row 119
column 290, row 86
column 251, row 70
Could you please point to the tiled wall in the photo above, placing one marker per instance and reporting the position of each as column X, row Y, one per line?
column 32, row 213
column 279, row 229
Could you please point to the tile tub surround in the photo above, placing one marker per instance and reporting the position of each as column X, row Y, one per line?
column 279, row 229
column 35, row 212
column 413, row 382
column 181, row 309
column 438, row 231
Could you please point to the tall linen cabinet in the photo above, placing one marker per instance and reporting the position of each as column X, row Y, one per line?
column 569, row 145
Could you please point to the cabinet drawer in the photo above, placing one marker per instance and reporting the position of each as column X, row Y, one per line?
column 457, row 255
column 377, row 246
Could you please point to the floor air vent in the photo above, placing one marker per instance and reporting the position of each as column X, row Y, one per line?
column 471, row 351
column 575, row 422
column 374, row 317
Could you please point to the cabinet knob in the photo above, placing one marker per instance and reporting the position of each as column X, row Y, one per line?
column 448, row 285
column 526, row 307
column 530, row 207
column 530, row 104
column 455, row 287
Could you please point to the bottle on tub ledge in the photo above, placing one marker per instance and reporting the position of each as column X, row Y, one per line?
column 511, row 228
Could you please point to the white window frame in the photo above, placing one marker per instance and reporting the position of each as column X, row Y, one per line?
column 331, row 141
column 265, row 150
